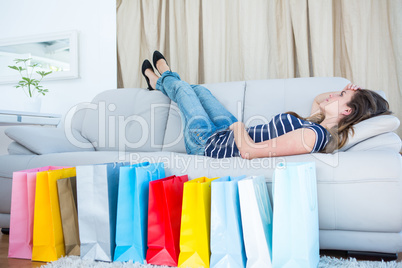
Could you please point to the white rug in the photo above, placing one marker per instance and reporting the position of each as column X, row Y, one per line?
column 76, row 262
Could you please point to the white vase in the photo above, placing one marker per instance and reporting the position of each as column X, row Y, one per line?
column 32, row 104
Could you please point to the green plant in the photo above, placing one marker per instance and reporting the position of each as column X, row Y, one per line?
column 29, row 84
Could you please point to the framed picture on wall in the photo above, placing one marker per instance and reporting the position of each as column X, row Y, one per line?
column 56, row 52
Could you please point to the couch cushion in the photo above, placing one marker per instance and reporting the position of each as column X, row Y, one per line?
column 174, row 140
column 371, row 127
column 11, row 163
column 16, row 148
column 127, row 120
column 45, row 140
column 343, row 179
column 74, row 118
column 266, row 98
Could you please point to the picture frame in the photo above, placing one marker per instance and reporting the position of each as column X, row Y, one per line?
column 56, row 52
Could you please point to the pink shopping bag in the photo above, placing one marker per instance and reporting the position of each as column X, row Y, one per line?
column 22, row 212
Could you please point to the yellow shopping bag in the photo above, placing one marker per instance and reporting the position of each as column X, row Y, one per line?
column 195, row 223
column 48, row 242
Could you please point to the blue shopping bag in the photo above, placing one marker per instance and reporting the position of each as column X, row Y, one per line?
column 295, row 231
column 132, row 210
column 97, row 187
column 226, row 243
column 256, row 217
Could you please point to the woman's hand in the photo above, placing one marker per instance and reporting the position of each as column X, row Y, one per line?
column 352, row 86
column 315, row 108
column 242, row 139
column 236, row 125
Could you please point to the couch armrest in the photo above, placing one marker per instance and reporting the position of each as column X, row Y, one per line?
column 371, row 127
column 387, row 141
column 17, row 149
column 43, row 140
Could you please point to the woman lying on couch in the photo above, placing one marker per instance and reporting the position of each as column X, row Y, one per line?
column 211, row 130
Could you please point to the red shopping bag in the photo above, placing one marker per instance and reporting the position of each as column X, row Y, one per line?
column 164, row 217
column 22, row 212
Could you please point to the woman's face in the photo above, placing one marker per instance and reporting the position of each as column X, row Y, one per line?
column 336, row 104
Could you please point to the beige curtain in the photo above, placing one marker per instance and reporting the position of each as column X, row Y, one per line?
column 210, row 41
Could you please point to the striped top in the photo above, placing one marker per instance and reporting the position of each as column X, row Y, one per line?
column 221, row 144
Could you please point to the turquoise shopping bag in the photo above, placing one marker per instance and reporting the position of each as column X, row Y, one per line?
column 295, row 230
column 132, row 210
column 226, row 243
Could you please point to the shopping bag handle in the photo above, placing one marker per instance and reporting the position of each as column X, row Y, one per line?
column 153, row 166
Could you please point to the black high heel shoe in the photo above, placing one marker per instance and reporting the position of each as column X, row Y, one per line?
column 157, row 56
column 147, row 65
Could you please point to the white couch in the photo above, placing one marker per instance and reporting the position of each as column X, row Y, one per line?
column 359, row 187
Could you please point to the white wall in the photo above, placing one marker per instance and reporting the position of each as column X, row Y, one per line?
column 95, row 22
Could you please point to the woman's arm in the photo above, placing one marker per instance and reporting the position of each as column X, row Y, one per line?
column 300, row 141
column 315, row 108
column 322, row 97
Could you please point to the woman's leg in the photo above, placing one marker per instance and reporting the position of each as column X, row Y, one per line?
column 219, row 115
column 198, row 126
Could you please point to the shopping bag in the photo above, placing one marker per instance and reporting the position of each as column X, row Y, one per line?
column 97, row 187
column 295, row 232
column 164, row 217
column 256, row 217
column 69, row 219
column 22, row 212
column 195, row 223
column 48, row 241
column 132, row 210
column 227, row 247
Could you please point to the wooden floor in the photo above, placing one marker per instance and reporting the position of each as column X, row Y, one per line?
column 13, row 263
column 6, row 262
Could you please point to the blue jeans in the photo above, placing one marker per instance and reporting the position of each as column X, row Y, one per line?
column 202, row 113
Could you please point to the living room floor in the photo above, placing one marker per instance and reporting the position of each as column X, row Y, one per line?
column 13, row 263
column 19, row 263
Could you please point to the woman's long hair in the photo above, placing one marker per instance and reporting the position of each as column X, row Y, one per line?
column 364, row 104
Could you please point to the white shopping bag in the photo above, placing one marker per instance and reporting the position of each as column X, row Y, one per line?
column 97, row 187
column 295, row 231
column 256, row 217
